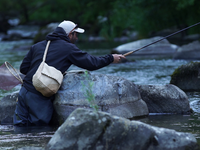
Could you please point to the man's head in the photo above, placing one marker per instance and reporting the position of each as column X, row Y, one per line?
column 71, row 29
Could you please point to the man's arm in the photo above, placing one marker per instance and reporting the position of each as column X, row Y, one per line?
column 89, row 62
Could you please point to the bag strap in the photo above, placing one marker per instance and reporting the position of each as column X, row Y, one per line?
column 45, row 52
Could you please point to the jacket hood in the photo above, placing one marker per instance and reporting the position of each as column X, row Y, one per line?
column 58, row 34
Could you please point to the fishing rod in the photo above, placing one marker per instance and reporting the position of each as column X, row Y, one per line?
column 128, row 53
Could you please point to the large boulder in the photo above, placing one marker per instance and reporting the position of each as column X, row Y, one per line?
column 114, row 95
column 186, row 77
column 86, row 129
column 159, row 49
column 188, row 51
column 165, row 99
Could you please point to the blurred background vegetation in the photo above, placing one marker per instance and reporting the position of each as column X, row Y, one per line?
column 107, row 18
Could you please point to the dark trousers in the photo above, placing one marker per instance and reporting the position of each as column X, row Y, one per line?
column 32, row 109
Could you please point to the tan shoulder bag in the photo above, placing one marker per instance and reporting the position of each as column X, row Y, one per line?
column 47, row 79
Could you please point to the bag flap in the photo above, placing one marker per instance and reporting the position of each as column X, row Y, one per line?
column 52, row 73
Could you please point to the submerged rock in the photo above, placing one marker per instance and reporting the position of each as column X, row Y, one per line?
column 165, row 99
column 187, row 77
column 86, row 129
column 114, row 95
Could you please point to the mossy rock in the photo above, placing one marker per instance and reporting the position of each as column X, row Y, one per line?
column 41, row 35
column 44, row 31
column 187, row 77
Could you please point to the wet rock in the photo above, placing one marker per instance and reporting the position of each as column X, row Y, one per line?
column 85, row 129
column 7, row 108
column 192, row 37
column 188, row 51
column 187, row 77
column 114, row 95
column 122, row 39
column 195, row 105
column 96, row 39
column 21, row 32
column 165, row 99
column 162, row 48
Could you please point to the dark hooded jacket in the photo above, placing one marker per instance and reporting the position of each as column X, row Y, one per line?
column 61, row 55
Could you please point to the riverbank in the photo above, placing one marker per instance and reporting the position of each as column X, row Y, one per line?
column 144, row 71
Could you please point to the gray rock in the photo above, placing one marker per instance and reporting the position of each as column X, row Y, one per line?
column 85, row 129
column 195, row 105
column 192, row 37
column 188, row 51
column 96, row 39
column 187, row 77
column 22, row 32
column 165, row 99
column 7, row 108
column 162, row 48
column 114, row 95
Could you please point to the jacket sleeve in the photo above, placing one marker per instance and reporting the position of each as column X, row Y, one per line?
column 26, row 63
column 87, row 61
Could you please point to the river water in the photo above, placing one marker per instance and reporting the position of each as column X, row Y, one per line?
column 140, row 71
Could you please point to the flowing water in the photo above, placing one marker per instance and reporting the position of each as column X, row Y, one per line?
column 140, row 71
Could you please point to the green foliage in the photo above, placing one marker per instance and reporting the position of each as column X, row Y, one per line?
column 184, row 3
column 108, row 18
column 87, row 89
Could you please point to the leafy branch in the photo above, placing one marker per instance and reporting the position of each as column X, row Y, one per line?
column 87, row 89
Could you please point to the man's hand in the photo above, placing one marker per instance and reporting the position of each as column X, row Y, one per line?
column 118, row 57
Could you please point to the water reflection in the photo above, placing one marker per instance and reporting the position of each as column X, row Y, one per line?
column 181, row 123
column 13, row 137
column 33, row 129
